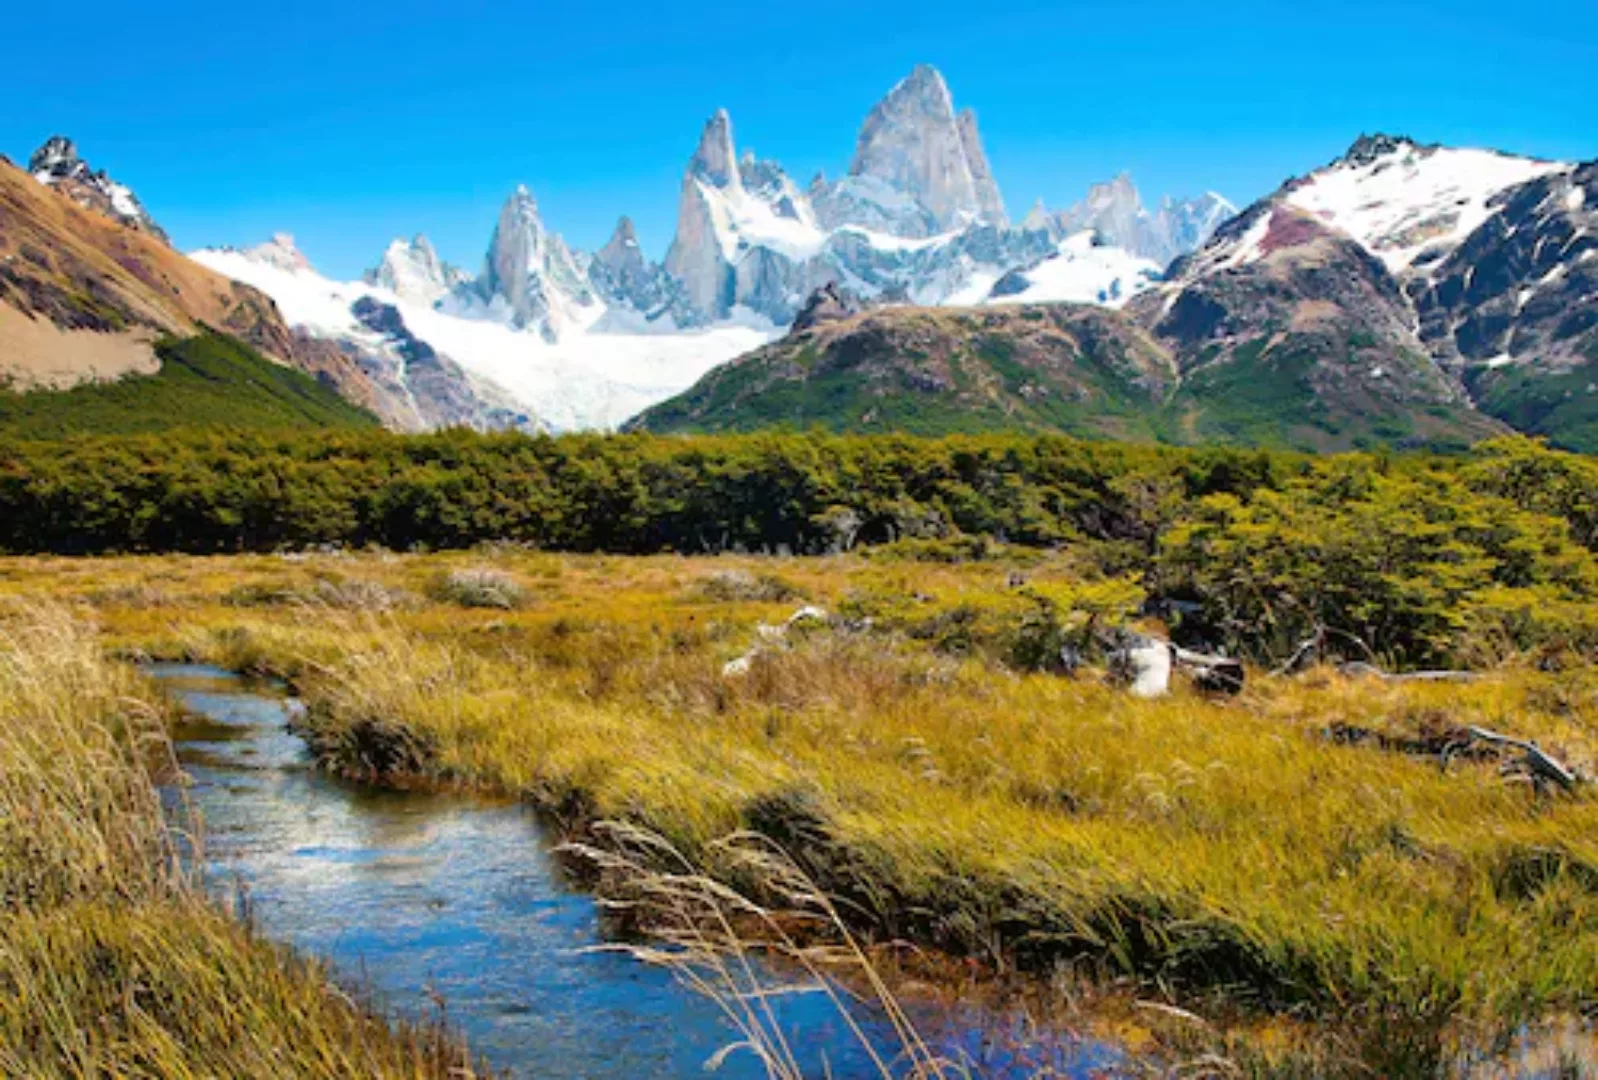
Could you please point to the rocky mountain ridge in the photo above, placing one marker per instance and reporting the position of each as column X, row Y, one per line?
column 1489, row 274
column 86, row 296
column 917, row 218
column 1403, row 294
column 57, row 164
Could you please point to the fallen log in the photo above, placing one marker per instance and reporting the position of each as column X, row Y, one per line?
column 1536, row 760
column 1217, row 674
column 1360, row 669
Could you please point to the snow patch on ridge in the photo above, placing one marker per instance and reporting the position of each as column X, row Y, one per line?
column 1084, row 273
column 1413, row 200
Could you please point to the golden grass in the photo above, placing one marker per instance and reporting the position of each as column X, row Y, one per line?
column 112, row 961
column 1209, row 850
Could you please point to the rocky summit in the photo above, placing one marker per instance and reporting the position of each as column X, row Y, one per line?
column 58, row 165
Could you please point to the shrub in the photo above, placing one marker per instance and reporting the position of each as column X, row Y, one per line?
column 480, row 588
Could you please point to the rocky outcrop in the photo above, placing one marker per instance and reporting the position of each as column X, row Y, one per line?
column 827, row 304
column 57, row 165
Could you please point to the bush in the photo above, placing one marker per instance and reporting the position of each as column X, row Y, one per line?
column 741, row 585
column 480, row 588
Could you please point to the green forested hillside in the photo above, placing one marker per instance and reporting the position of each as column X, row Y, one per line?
column 210, row 380
column 1081, row 371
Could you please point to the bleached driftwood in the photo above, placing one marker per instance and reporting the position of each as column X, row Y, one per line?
column 1361, row 669
column 777, row 636
column 1536, row 760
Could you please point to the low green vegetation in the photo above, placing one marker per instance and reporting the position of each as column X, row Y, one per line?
column 210, row 380
column 1562, row 405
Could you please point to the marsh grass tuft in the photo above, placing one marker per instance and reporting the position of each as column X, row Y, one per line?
column 747, row 948
column 113, row 962
column 480, row 587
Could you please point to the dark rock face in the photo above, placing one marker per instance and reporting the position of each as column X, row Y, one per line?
column 1367, row 149
column 1013, row 283
column 1525, row 284
column 830, row 303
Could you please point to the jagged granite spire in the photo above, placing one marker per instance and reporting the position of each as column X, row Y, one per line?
column 530, row 270
column 696, row 258
column 990, row 204
column 715, row 160
column 913, row 143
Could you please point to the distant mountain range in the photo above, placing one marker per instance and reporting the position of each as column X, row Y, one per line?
column 1402, row 294
column 581, row 340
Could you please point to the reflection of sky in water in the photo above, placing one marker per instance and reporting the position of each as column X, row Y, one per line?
column 421, row 894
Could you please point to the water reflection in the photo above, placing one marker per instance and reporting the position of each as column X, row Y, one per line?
column 432, row 897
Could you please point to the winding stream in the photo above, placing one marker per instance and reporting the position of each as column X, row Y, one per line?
column 428, row 897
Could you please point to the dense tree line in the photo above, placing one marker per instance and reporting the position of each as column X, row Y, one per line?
column 1417, row 556
column 217, row 492
column 209, row 491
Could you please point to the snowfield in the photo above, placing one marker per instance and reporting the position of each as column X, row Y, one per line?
column 587, row 380
column 1085, row 273
column 1415, row 200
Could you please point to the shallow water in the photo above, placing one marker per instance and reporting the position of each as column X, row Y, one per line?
column 429, row 898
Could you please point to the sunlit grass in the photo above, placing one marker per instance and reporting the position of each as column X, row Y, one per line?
column 1203, row 849
column 112, row 961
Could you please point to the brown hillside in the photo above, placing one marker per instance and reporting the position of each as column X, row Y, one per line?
column 82, row 296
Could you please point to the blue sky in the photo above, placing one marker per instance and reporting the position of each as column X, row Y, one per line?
column 348, row 124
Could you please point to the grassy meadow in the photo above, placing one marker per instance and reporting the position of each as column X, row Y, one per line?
column 1299, row 860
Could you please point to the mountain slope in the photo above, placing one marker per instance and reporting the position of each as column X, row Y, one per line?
column 1488, row 272
column 84, row 296
column 209, row 380
column 1057, row 367
column 1289, row 332
column 1314, row 382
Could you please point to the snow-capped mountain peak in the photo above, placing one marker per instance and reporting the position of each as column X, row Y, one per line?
column 913, row 143
column 531, row 275
column 57, row 164
column 714, row 160
column 282, row 252
column 411, row 269
column 1408, row 203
